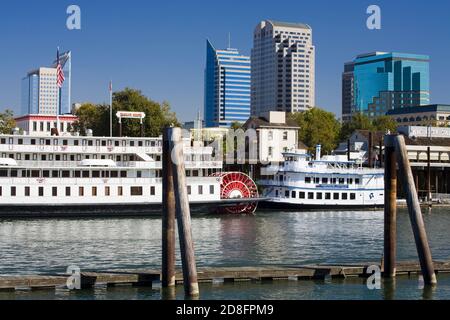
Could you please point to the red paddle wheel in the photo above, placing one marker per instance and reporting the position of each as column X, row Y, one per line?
column 237, row 185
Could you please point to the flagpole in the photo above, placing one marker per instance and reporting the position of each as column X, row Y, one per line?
column 58, row 109
column 110, row 109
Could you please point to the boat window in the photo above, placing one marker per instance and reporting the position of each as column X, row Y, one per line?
column 286, row 194
column 319, row 196
column 14, row 173
column 120, row 191
column 90, row 143
column 140, row 143
column 48, row 142
column 153, row 191
column 200, row 189
column 349, row 181
column 81, row 191
column 341, row 181
column 77, row 174
column 344, row 196
column 46, row 174
column 41, row 191
column 307, row 180
column 103, row 143
column 35, row 174
column 85, row 174
column 316, row 180
column 94, row 191
column 333, row 181
column 324, row 180
column 107, row 191
column 310, row 195
column 336, row 196
column 3, row 173
column 67, row 191
column 294, row 194
column 54, row 191
column 357, row 181
column 33, row 142
column 136, row 191
column 27, row 191
column 116, row 143
column 352, row 196
column 302, row 195
column 189, row 190
column 55, row 174
column 211, row 189
column 131, row 143
column 327, row 196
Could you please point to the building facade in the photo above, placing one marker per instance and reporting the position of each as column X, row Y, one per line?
column 386, row 81
column 276, row 135
column 227, row 87
column 430, row 115
column 40, row 93
column 283, row 68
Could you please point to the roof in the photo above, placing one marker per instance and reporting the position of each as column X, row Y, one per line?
column 261, row 122
column 289, row 24
column 433, row 142
column 377, row 135
column 420, row 109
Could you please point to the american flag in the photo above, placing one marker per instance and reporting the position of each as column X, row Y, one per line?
column 59, row 72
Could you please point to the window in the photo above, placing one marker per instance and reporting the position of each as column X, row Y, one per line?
column 55, row 191
column 1, row 191
column 286, row 194
column 285, row 136
column 123, row 174
column 94, row 191
column 357, row 181
column 13, row 191
column 136, row 191
column 327, row 196
column 352, row 196
column 67, row 191
column 81, row 191
column 324, row 180
column 336, row 196
column 310, row 195
column 85, row 174
column 307, row 180
column 139, row 174
column 120, row 191
column 107, row 191
column 319, row 196
column 200, row 189
column 294, row 194
column 27, row 191
column 344, row 196
column 349, row 181
column 341, row 181
column 270, row 151
column 316, row 180
column 189, row 190
column 41, row 191
column 152, row 191
column 211, row 190
column 301, row 195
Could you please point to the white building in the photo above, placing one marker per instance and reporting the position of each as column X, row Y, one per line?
column 283, row 68
column 42, row 125
column 276, row 135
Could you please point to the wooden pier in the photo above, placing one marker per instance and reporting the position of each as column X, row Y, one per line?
column 150, row 277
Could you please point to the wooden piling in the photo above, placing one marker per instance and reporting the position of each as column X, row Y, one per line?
column 415, row 212
column 370, row 150
column 168, row 219
column 390, row 209
column 429, row 199
column 183, row 216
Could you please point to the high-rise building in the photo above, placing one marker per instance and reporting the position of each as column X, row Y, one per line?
column 347, row 91
column 227, row 87
column 283, row 68
column 386, row 81
column 40, row 92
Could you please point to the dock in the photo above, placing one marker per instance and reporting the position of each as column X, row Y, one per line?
column 215, row 275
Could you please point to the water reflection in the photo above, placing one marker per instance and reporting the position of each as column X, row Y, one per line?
column 288, row 238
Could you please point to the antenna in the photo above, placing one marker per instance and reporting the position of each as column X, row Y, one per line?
column 229, row 40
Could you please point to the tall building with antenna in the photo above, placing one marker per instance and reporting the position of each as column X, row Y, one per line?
column 227, row 86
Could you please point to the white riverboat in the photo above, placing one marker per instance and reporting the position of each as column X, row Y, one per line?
column 86, row 175
column 330, row 182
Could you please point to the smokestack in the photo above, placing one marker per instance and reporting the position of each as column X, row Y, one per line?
column 318, row 152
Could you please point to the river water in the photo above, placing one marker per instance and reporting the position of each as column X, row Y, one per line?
column 268, row 238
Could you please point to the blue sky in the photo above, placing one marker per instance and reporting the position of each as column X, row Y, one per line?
column 159, row 46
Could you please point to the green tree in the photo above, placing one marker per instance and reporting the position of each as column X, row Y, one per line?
column 236, row 125
column 7, row 122
column 359, row 121
column 97, row 117
column 384, row 124
column 318, row 126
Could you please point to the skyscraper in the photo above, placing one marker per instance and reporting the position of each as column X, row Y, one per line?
column 348, row 81
column 386, row 81
column 227, row 87
column 40, row 93
column 283, row 68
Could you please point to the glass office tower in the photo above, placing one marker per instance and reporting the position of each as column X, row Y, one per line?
column 387, row 81
column 227, row 87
